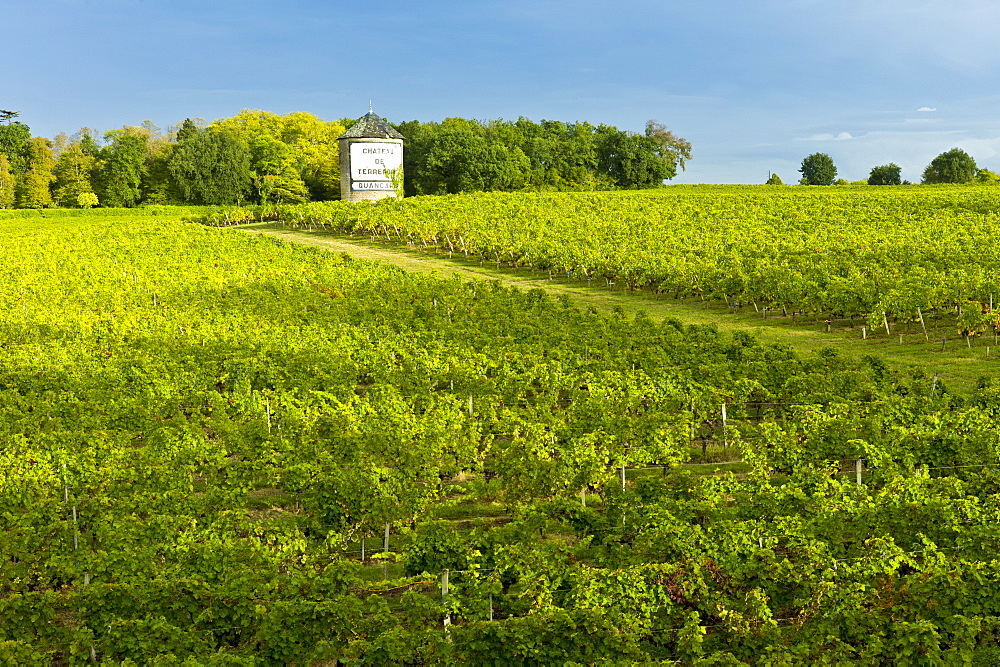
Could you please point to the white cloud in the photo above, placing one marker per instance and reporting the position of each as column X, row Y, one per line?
column 926, row 109
column 826, row 136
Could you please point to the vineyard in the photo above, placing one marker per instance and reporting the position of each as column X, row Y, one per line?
column 218, row 448
column 882, row 255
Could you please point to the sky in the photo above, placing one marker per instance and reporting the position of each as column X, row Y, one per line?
column 755, row 86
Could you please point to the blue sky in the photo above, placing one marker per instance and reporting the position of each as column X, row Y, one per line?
column 755, row 86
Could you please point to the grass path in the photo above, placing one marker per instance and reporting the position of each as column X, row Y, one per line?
column 957, row 364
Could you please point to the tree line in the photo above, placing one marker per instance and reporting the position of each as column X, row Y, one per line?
column 459, row 155
column 952, row 166
column 255, row 156
column 265, row 158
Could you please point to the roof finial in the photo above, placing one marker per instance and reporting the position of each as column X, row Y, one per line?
column 370, row 107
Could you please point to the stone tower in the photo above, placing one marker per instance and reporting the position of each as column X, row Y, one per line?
column 371, row 160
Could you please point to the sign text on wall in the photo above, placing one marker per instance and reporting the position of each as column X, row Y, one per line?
column 372, row 163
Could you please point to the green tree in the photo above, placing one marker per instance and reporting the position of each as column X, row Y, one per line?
column 316, row 152
column 88, row 144
column 504, row 168
column 32, row 189
column 157, row 186
column 984, row 175
column 773, row 179
column 251, row 123
column 73, row 175
column 121, row 173
column 669, row 147
column 59, row 143
column 186, row 131
column 459, row 158
column 818, row 169
column 14, row 139
column 887, row 174
column 563, row 156
column 7, row 183
column 274, row 174
column 418, row 137
column 87, row 200
column 952, row 166
column 632, row 160
column 311, row 146
column 560, row 155
column 210, row 166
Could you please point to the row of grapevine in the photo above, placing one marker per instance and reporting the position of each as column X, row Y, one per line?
column 889, row 253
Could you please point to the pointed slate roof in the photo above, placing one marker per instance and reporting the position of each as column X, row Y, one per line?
column 371, row 126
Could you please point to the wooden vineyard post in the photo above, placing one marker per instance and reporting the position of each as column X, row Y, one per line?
column 725, row 436
column 692, row 422
column 623, row 494
column 857, row 471
column 66, row 499
column 444, row 596
column 385, row 540
column 923, row 326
